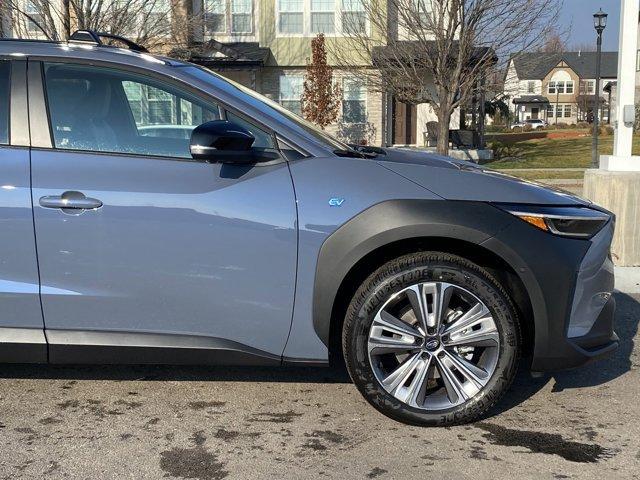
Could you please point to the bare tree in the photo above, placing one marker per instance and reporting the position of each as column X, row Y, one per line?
column 152, row 23
column 321, row 96
column 440, row 51
column 554, row 43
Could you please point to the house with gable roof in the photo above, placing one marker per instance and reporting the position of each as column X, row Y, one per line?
column 558, row 87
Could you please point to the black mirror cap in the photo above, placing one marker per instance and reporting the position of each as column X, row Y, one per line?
column 214, row 140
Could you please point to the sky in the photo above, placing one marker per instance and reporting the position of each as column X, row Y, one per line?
column 578, row 16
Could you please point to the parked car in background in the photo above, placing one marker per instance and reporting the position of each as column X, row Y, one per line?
column 155, row 212
column 533, row 123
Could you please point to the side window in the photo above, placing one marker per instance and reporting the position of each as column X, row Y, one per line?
column 5, row 71
column 263, row 139
column 108, row 110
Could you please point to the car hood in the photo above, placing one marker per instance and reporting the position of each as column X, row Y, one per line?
column 460, row 180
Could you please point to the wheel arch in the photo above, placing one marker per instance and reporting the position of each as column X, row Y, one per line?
column 394, row 228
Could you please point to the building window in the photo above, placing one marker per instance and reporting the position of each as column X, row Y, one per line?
column 241, row 16
column 215, row 16
column 323, row 16
column 354, row 101
column 290, row 92
column 591, row 87
column 228, row 16
column 156, row 17
column 549, row 111
column 531, row 86
column 310, row 17
column 567, row 111
column 35, row 18
column 354, row 17
column 291, row 16
column 560, row 87
column 569, row 87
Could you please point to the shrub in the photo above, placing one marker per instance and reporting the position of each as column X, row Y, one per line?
column 527, row 128
column 583, row 125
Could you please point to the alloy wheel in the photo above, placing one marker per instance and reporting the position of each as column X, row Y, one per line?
column 433, row 345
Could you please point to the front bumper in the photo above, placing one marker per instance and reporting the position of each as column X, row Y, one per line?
column 569, row 283
column 589, row 331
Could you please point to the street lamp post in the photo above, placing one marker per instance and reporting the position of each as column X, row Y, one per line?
column 599, row 22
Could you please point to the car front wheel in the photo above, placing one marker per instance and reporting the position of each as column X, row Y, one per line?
column 431, row 339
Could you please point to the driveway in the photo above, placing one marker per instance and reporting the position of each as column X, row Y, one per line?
column 216, row 423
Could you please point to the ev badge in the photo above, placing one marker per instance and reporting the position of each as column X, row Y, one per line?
column 336, row 201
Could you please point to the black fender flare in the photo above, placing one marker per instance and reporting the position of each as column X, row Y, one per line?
column 389, row 222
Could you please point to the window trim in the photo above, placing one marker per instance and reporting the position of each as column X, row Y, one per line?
column 41, row 121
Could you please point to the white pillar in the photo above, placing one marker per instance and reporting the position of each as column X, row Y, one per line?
column 621, row 160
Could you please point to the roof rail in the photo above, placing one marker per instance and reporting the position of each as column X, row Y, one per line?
column 90, row 36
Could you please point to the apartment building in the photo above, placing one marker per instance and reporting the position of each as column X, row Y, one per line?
column 558, row 87
column 266, row 45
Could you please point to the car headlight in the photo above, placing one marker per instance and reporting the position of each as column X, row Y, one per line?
column 576, row 222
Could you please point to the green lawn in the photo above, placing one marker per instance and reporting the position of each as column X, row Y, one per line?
column 554, row 153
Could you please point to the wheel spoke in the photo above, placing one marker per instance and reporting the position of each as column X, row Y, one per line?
column 389, row 334
column 416, row 297
column 437, row 296
column 401, row 374
column 475, row 328
column 470, row 371
column 413, row 394
column 453, row 386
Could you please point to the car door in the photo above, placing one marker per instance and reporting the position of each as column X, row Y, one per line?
column 146, row 255
column 21, row 327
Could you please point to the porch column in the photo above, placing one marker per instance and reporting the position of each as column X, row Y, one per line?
column 616, row 184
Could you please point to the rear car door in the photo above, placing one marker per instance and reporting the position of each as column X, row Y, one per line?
column 21, row 327
column 146, row 255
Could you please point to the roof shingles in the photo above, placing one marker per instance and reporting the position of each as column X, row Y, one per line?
column 536, row 65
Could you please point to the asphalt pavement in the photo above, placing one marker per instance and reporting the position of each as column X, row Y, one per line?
column 219, row 423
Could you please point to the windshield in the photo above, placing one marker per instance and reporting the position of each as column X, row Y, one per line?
column 266, row 105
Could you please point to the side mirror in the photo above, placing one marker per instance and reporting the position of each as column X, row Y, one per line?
column 220, row 141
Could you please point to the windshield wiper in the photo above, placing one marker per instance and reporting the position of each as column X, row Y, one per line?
column 359, row 152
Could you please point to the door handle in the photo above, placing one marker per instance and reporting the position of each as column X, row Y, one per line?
column 70, row 200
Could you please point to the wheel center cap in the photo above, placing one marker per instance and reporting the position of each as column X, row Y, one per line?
column 432, row 344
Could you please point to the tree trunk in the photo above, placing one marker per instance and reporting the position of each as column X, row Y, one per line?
column 444, row 117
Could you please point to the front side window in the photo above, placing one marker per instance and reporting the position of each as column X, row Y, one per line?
column 291, row 87
column 5, row 83
column 354, row 101
column 107, row 110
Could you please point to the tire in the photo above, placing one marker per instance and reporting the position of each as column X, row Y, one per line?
column 423, row 371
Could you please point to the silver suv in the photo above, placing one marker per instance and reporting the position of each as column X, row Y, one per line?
column 155, row 212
